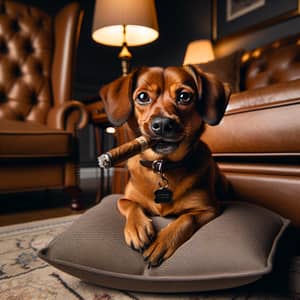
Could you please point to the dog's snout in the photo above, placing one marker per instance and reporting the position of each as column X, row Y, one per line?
column 164, row 127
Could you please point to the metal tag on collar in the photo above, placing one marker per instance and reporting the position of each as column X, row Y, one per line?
column 163, row 194
column 157, row 166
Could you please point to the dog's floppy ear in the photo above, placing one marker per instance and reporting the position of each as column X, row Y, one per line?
column 213, row 95
column 116, row 97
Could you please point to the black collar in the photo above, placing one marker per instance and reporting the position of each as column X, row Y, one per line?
column 161, row 166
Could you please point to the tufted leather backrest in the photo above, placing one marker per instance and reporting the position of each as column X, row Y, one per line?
column 37, row 59
column 26, row 50
column 274, row 63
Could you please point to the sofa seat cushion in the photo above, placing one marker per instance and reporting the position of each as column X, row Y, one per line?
column 234, row 249
column 26, row 139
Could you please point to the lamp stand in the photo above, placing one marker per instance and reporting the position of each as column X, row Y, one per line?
column 125, row 55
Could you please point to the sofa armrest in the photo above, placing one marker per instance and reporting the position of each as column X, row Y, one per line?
column 68, row 116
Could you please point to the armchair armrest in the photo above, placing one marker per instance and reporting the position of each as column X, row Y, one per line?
column 68, row 116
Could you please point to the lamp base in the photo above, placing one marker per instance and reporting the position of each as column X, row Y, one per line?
column 125, row 66
column 125, row 57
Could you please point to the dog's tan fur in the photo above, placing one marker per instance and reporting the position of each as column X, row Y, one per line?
column 194, row 184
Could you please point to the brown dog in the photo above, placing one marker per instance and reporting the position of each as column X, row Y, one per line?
column 177, row 176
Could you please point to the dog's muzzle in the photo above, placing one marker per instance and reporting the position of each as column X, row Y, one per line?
column 168, row 132
column 165, row 128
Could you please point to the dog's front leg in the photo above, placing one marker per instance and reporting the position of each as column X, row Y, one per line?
column 139, row 231
column 175, row 234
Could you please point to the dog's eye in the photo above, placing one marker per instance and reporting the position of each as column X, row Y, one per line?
column 143, row 98
column 184, row 98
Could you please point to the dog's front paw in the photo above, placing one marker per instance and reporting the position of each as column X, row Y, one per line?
column 139, row 232
column 161, row 249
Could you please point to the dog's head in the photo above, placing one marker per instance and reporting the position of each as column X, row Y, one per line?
column 169, row 105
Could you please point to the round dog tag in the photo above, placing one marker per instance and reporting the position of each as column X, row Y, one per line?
column 163, row 195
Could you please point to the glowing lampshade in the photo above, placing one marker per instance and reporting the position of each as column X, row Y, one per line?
column 199, row 51
column 125, row 23
column 138, row 16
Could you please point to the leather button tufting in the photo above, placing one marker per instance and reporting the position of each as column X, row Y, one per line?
column 3, row 47
column 15, row 26
column 3, row 97
column 276, row 63
column 39, row 67
column 28, row 46
column 34, row 98
column 26, row 49
column 17, row 71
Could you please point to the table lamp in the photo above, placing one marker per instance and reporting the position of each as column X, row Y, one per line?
column 125, row 23
column 199, row 51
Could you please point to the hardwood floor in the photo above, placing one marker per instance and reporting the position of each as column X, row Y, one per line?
column 33, row 206
column 35, row 215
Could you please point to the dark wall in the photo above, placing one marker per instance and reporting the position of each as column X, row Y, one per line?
column 260, row 37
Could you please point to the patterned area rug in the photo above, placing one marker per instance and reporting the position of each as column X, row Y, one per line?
column 23, row 276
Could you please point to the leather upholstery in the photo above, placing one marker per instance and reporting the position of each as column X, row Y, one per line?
column 30, row 140
column 38, row 118
column 275, row 95
column 26, row 43
column 33, row 175
column 270, row 131
column 257, row 144
column 274, row 63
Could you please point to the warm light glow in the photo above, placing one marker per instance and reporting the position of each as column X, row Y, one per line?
column 256, row 53
column 110, row 130
column 245, row 57
column 135, row 35
column 199, row 51
column 138, row 17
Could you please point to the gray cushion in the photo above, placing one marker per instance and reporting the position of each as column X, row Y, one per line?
column 234, row 249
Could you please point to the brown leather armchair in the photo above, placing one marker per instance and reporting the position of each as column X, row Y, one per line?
column 38, row 119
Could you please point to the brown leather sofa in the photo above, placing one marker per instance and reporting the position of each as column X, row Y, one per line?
column 38, row 118
column 257, row 143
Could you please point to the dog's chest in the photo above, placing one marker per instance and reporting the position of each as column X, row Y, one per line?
column 152, row 185
column 164, row 209
column 145, row 184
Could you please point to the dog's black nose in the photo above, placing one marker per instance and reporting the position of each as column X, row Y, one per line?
column 165, row 127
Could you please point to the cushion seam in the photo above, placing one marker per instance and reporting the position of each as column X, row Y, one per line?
column 153, row 278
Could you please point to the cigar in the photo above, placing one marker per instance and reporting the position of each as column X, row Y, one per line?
column 123, row 152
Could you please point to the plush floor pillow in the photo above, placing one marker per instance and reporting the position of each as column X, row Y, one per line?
column 234, row 249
